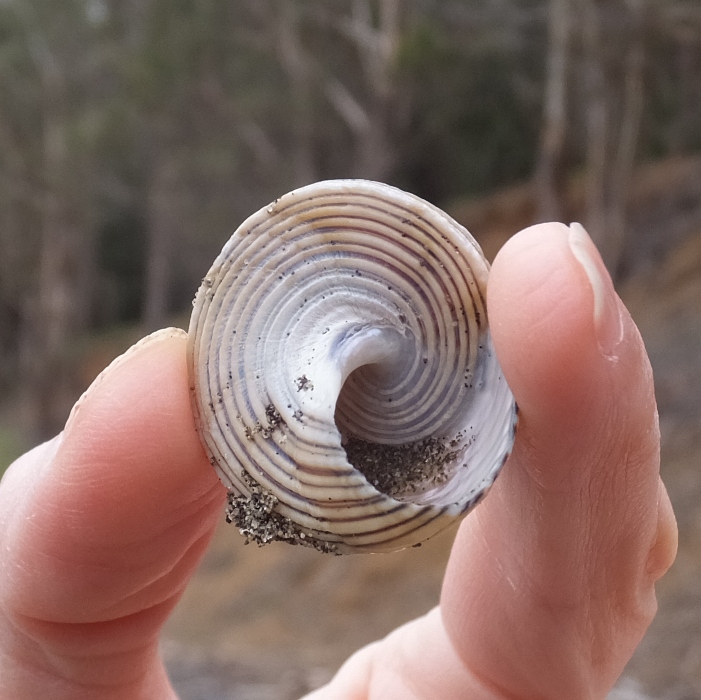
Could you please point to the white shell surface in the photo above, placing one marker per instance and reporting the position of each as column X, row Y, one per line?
column 346, row 322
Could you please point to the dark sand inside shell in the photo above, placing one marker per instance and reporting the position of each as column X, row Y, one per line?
column 400, row 471
column 403, row 471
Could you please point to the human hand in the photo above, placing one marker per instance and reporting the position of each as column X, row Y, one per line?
column 550, row 585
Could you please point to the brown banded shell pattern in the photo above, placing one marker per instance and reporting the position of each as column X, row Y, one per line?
column 349, row 313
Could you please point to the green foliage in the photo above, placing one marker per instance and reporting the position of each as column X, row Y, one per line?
column 472, row 128
column 425, row 49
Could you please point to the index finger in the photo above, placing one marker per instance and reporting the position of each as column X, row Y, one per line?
column 99, row 539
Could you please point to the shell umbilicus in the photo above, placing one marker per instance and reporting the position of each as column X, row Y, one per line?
column 342, row 373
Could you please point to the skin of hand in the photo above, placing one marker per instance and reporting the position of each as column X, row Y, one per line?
column 550, row 585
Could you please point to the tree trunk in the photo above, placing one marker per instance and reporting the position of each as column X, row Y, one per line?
column 61, row 307
column 377, row 49
column 12, row 271
column 550, row 170
column 624, row 159
column 597, row 121
column 296, row 66
column 688, row 68
column 163, row 223
column 614, row 111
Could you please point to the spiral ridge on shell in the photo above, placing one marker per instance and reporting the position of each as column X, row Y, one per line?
column 342, row 373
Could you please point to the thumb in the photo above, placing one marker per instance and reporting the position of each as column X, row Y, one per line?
column 101, row 529
column 551, row 583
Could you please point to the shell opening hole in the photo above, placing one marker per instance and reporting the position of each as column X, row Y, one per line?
column 371, row 417
column 412, row 471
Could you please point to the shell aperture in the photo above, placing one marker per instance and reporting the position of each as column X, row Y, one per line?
column 342, row 373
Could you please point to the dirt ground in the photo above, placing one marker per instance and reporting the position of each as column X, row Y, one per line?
column 273, row 623
column 283, row 618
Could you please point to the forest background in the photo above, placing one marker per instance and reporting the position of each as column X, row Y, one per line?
column 135, row 135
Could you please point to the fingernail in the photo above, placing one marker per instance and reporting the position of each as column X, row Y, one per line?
column 607, row 313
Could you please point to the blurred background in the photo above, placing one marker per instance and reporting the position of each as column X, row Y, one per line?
column 135, row 135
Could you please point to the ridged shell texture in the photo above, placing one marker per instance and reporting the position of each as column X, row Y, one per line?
column 342, row 372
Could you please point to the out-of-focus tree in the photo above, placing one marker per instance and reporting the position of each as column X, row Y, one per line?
column 374, row 30
column 621, row 85
column 136, row 134
column 676, row 35
column 156, row 74
column 613, row 58
column 50, row 50
column 552, row 162
column 474, row 75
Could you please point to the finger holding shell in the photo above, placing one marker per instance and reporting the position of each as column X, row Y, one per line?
column 342, row 373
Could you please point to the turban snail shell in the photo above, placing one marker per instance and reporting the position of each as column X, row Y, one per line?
column 342, row 373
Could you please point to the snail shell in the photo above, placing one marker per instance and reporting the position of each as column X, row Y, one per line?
column 342, row 373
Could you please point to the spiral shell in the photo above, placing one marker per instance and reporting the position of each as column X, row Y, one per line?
column 342, row 373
